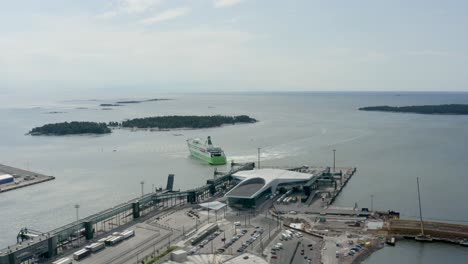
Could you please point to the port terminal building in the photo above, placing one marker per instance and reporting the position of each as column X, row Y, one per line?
column 256, row 185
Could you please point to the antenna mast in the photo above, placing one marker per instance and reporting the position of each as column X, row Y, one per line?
column 420, row 211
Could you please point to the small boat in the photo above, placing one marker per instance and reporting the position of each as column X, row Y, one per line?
column 423, row 238
column 391, row 241
column 464, row 243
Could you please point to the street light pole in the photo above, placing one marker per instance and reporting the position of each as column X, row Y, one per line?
column 334, row 152
column 258, row 157
column 77, row 207
column 142, row 186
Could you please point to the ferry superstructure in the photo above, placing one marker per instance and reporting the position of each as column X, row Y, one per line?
column 206, row 151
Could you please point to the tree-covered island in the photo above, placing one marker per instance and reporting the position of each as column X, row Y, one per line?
column 445, row 109
column 71, row 128
column 142, row 101
column 160, row 122
column 168, row 122
column 109, row 105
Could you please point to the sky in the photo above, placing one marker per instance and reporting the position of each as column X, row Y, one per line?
column 81, row 46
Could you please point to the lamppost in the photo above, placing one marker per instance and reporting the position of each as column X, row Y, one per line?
column 142, row 186
column 77, row 207
column 334, row 152
column 258, row 157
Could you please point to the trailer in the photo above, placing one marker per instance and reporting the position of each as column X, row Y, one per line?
column 108, row 239
column 103, row 240
column 81, row 254
column 95, row 247
column 115, row 240
column 127, row 234
column 63, row 261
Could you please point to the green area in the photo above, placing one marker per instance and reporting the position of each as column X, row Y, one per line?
column 445, row 109
column 184, row 121
column 160, row 256
column 71, row 128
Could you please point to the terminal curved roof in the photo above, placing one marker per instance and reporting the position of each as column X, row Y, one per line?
column 254, row 182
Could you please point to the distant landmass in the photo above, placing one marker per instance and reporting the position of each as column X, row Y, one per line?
column 129, row 102
column 71, row 128
column 142, row 101
column 109, row 105
column 445, row 109
column 159, row 122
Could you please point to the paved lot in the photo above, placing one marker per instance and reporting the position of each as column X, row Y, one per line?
column 22, row 178
column 296, row 250
column 127, row 250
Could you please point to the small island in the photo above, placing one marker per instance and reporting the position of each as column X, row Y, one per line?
column 70, row 128
column 169, row 122
column 142, row 101
column 129, row 102
column 445, row 109
column 109, row 105
column 158, row 122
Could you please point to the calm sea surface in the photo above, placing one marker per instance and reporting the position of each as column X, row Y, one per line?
column 390, row 150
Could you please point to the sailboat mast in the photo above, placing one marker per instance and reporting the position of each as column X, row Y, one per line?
column 420, row 211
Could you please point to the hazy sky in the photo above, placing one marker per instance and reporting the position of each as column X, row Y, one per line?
column 233, row 45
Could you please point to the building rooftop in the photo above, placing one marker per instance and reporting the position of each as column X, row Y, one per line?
column 254, row 182
column 215, row 205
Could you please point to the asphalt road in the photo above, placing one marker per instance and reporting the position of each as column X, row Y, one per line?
column 297, row 250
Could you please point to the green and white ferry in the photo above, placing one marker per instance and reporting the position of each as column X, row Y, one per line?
column 206, row 151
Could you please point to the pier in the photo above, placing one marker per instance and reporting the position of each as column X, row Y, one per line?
column 22, row 178
column 438, row 231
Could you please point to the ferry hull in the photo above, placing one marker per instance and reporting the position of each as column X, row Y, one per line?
column 210, row 160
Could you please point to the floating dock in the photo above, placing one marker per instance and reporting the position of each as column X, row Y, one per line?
column 22, row 178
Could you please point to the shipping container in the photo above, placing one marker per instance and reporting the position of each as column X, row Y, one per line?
column 81, row 254
column 63, row 261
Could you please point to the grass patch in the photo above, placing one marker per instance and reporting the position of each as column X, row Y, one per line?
column 169, row 250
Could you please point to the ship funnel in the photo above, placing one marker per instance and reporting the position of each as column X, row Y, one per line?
column 209, row 141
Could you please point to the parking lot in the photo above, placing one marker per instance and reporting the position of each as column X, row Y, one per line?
column 300, row 248
column 230, row 239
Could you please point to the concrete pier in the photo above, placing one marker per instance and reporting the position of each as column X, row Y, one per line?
column 22, row 178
